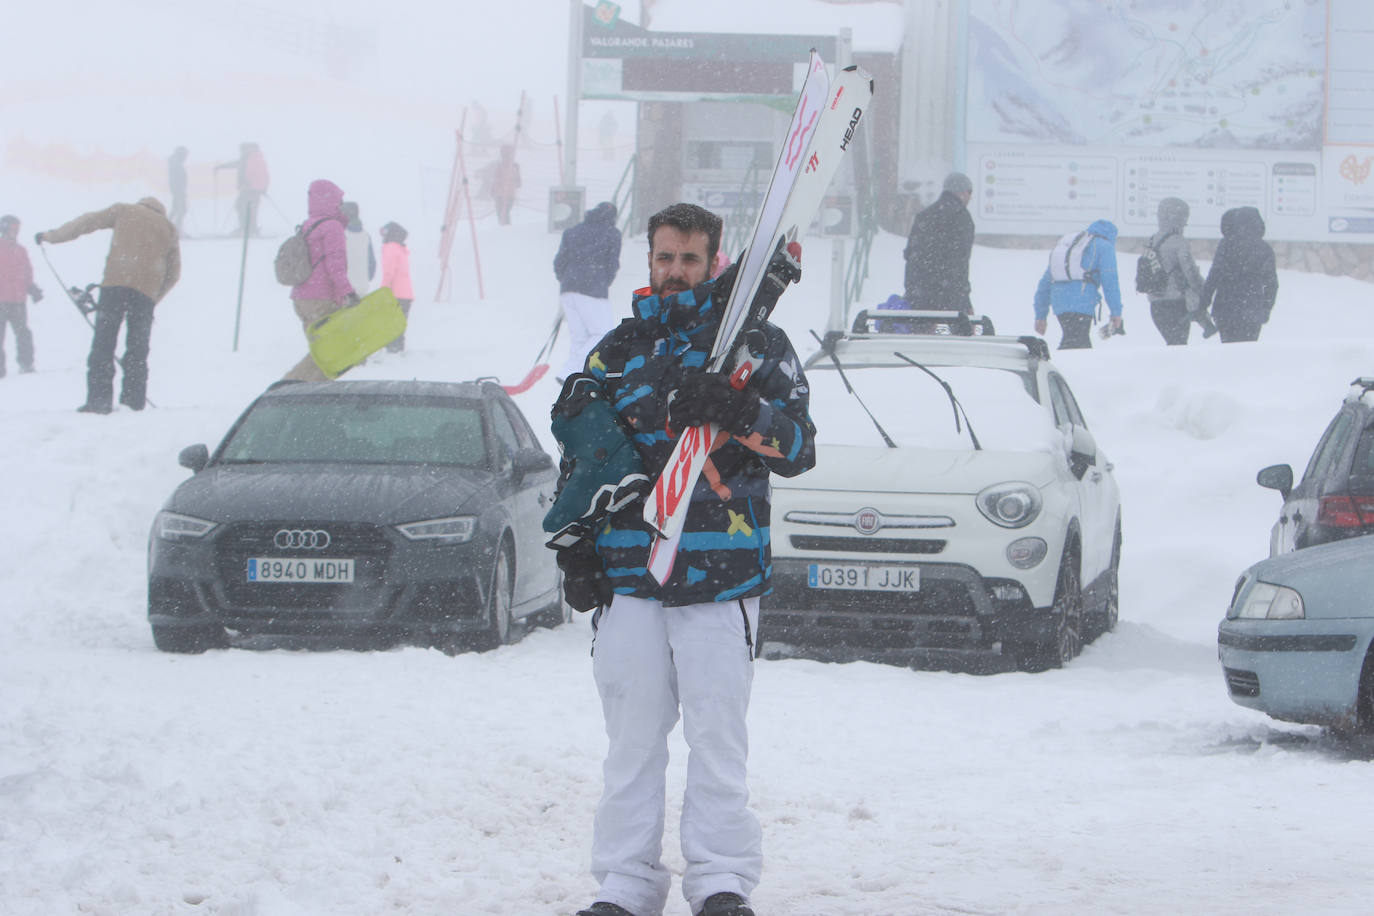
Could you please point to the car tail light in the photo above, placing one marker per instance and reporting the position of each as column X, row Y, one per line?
column 1345, row 511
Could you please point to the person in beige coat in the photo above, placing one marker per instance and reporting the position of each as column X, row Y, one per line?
column 143, row 264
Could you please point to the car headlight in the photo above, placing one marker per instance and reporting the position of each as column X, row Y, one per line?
column 455, row 530
column 1272, row 602
column 173, row 527
column 1011, row 505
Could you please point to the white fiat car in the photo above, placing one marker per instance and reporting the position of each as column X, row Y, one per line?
column 959, row 510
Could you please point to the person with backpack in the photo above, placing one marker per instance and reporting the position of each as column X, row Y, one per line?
column 396, row 274
column 325, row 288
column 587, row 261
column 1242, row 283
column 143, row 265
column 1081, row 273
column 1167, row 274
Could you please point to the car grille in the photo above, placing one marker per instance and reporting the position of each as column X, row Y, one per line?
column 809, row 542
column 1242, row 683
column 366, row 544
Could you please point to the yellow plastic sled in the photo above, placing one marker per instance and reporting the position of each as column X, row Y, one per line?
column 343, row 339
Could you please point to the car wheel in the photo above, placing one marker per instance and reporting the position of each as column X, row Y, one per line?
column 1364, row 697
column 556, row 614
column 1068, row 614
column 498, row 628
column 1105, row 620
column 190, row 640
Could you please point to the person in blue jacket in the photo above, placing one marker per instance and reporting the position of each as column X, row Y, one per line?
column 587, row 261
column 1081, row 273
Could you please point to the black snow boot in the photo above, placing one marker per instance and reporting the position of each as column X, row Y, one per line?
column 725, row 904
column 602, row 908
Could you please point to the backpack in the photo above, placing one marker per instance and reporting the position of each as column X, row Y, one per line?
column 293, row 264
column 1151, row 277
column 1066, row 260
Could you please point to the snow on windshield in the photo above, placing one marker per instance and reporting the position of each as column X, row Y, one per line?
column 916, row 412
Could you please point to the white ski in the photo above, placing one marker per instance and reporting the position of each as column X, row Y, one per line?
column 822, row 128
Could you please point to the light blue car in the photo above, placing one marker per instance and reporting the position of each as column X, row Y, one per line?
column 1296, row 639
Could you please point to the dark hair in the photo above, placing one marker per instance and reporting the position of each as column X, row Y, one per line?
column 689, row 218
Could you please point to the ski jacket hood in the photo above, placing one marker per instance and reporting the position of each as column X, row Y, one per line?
column 1104, row 228
column 324, row 199
column 1242, row 224
column 603, row 212
column 325, row 238
column 152, row 203
column 1172, row 214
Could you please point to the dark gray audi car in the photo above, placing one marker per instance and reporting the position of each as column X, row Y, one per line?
column 390, row 510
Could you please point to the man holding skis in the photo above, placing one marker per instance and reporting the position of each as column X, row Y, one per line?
column 686, row 646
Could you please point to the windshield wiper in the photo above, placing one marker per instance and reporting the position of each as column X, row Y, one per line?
column 953, row 401
column 828, row 347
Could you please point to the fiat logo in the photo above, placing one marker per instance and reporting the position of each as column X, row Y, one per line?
column 300, row 539
column 867, row 521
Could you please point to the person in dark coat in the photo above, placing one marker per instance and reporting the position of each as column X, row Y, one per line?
column 938, row 248
column 587, row 261
column 1242, row 282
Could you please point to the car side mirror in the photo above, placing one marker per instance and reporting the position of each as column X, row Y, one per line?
column 195, row 457
column 1276, row 477
column 1082, row 452
column 531, row 459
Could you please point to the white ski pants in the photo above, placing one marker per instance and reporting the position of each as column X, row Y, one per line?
column 649, row 661
column 588, row 321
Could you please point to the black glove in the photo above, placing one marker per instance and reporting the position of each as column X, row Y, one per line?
column 707, row 397
column 586, row 586
column 352, row 299
column 38, row 238
column 35, row 293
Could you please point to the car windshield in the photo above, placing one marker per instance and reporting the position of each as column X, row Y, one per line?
column 916, row 412
column 360, row 430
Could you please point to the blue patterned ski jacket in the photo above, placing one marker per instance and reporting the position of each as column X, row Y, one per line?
column 724, row 552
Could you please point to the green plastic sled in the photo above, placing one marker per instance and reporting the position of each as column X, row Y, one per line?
column 343, row 339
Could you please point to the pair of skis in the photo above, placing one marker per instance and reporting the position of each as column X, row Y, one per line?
column 822, row 129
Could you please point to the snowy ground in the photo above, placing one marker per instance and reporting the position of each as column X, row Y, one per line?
column 281, row 782
column 275, row 782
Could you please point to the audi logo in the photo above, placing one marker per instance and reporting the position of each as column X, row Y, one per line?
column 299, row 539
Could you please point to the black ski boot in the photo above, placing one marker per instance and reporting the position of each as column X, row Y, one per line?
column 725, row 904
column 602, row 908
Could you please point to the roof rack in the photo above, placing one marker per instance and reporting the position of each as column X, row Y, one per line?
column 915, row 321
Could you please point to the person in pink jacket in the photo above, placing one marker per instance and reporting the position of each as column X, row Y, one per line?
column 327, row 289
column 396, row 274
column 16, row 286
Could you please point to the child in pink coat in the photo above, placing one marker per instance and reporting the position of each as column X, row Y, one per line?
column 396, row 274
